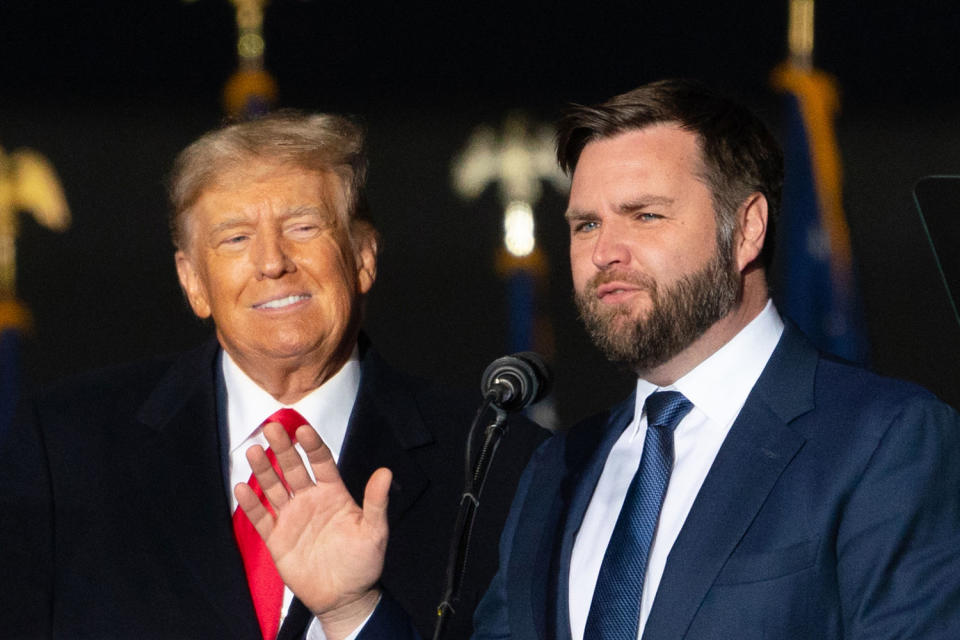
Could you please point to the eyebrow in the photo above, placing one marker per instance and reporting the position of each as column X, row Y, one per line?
column 577, row 214
column 229, row 223
column 305, row 210
column 624, row 208
column 644, row 201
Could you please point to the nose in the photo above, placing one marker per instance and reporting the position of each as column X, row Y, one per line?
column 271, row 257
column 610, row 247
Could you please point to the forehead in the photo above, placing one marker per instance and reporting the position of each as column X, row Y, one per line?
column 261, row 179
column 662, row 153
column 248, row 190
column 257, row 187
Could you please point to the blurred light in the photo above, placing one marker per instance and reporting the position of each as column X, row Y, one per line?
column 250, row 45
column 518, row 228
column 800, row 32
column 249, row 16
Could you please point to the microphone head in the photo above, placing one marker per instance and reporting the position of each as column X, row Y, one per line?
column 516, row 381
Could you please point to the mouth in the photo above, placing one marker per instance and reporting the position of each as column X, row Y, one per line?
column 617, row 291
column 281, row 303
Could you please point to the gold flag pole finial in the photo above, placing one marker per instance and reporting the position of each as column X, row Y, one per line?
column 250, row 42
column 517, row 159
column 27, row 183
column 251, row 91
column 800, row 33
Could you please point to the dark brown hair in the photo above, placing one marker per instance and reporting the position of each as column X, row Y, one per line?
column 740, row 156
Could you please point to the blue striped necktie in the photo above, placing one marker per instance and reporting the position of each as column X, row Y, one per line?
column 615, row 608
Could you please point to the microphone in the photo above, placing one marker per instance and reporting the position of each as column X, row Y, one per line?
column 509, row 383
column 516, row 381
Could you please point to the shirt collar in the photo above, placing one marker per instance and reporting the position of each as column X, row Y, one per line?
column 719, row 385
column 327, row 408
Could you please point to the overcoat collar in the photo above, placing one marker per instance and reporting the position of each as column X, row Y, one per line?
column 180, row 464
column 181, row 461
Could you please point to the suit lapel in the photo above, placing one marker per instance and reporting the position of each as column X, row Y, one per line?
column 183, row 469
column 385, row 426
column 757, row 449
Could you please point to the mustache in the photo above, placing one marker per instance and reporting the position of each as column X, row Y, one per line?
column 630, row 277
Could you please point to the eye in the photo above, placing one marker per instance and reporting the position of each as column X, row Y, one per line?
column 646, row 216
column 303, row 229
column 585, row 226
column 235, row 239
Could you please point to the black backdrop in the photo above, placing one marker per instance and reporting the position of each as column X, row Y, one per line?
column 111, row 90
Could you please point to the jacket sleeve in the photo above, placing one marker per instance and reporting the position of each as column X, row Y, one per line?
column 388, row 622
column 898, row 544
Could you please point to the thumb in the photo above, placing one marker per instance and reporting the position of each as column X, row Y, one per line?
column 376, row 497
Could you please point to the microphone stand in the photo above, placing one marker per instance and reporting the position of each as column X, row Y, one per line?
column 469, row 503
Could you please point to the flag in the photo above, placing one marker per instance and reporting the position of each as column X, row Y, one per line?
column 817, row 285
column 14, row 321
column 526, row 276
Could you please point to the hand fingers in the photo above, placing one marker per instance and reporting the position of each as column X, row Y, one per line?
column 257, row 513
column 267, row 477
column 376, row 497
column 291, row 464
column 318, row 454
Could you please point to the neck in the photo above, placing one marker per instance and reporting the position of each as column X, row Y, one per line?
column 289, row 380
column 751, row 303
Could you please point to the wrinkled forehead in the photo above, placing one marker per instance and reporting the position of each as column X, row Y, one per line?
column 240, row 181
column 329, row 184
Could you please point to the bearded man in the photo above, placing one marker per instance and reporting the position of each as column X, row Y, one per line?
column 750, row 487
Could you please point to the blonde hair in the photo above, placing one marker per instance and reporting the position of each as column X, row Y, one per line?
column 315, row 142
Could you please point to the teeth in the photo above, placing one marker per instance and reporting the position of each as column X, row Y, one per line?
column 282, row 302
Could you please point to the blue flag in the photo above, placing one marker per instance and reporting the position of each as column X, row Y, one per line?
column 14, row 319
column 817, row 288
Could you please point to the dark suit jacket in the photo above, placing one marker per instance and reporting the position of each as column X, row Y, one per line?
column 831, row 511
column 115, row 520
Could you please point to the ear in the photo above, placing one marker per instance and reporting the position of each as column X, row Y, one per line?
column 365, row 246
column 751, row 229
column 192, row 285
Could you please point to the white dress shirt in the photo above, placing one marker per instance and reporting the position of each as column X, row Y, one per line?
column 327, row 409
column 718, row 388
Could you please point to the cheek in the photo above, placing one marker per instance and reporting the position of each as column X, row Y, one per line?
column 225, row 282
column 581, row 253
column 581, row 264
column 223, row 278
column 333, row 271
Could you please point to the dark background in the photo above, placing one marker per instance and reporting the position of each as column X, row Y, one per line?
column 110, row 90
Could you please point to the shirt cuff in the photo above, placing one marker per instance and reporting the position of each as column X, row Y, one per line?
column 315, row 630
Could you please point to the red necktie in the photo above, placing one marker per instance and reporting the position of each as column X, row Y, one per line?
column 266, row 588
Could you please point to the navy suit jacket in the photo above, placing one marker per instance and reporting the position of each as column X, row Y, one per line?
column 114, row 512
column 831, row 511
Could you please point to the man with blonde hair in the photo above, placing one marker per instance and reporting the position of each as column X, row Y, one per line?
column 119, row 515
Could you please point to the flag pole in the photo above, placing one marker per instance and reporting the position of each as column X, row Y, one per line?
column 518, row 159
column 800, row 34
column 28, row 183
column 251, row 91
column 818, row 290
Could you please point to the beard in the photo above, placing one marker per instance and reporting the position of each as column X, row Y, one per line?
column 679, row 314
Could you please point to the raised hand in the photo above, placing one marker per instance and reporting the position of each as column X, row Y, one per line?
column 326, row 548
